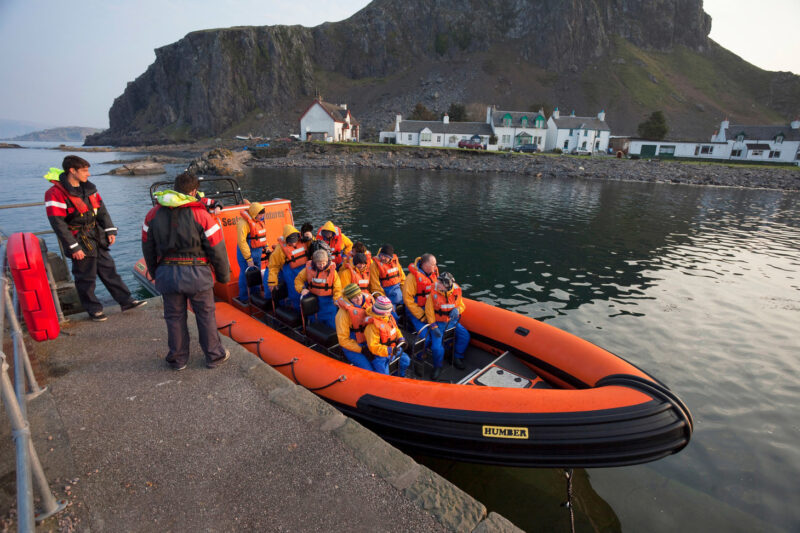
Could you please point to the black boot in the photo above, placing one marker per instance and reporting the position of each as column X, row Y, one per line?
column 436, row 373
column 458, row 362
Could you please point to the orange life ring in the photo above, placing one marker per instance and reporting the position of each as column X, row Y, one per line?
column 30, row 278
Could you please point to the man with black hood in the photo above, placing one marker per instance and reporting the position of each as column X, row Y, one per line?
column 82, row 224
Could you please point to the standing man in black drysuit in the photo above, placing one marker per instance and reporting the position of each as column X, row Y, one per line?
column 184, row 249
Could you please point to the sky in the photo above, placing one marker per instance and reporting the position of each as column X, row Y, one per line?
column 64, row 62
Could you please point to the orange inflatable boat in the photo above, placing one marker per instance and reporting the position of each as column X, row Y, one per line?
column 529, row 395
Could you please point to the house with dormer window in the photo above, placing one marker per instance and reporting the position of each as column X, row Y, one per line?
column 776, row 144
column 515, row 128
column 577, row 134
column 440, row 133
column 323, row 121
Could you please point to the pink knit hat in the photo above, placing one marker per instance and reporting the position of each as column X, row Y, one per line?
column 382, row 306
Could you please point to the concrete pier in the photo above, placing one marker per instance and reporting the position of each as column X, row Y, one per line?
column 136, row 446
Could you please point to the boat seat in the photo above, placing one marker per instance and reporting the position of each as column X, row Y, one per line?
column 262, row 302
column 400, row 309
column 318, row 332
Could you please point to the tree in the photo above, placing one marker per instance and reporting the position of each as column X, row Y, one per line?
column 421, row 112
column 457, row 112
column 654, row 128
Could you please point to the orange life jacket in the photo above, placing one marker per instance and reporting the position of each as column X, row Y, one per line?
column 295, row 255
column 320, row 283
column 424, row 283
column 77, row 202
column 389, row 332
column 389, row 273
column 335, row 244
column 444, row 303
column 358, row 316
column 258, row 231
column 358, row 277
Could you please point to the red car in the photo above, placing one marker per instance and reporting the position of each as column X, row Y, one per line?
column 475, row 145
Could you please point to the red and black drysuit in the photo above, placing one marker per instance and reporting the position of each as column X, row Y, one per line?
column 181, row 246
column 81, row 221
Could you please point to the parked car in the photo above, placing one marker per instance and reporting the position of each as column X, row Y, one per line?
column 581, row 151
column 527, row 148
column 475, row 145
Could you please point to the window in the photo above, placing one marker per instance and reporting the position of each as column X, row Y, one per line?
column 666, row 150
column 779, row 139
column 537, row 140
column 736, row 153
column 506, row 139
column 774, row 154
column 524, row 122
column 566, row 145
column 757, row 153
column 797, row 156
column 439, row 139
column 583, row 146
column 597, row 145
column 507, row 120
column 706, row 149
column 739, row 138
column 539, row 122
column 571, row 132
column 424, row 137
column 585, row 133
column 409, row 136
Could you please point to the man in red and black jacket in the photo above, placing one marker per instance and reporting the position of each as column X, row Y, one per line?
column 83, row 226
column 182, row 243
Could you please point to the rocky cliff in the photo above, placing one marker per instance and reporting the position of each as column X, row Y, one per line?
column 625, row 56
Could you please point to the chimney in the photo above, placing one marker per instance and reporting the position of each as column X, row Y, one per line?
column 398, row 120
column 488, row 114
column 555, row 113
column 724, row 124
column 446, row 119
column 795, row 124
column 601, row 115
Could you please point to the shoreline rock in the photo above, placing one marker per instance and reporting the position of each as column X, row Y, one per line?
column 142, row 168
column 537, row 166
column 10, row 145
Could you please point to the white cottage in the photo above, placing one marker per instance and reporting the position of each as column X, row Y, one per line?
column 323, row 121
column 442, row 133
column 774, row 144
column 515, row 128
column 577, row 134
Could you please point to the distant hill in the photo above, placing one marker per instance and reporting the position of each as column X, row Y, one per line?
column 66, row 134
column 11, row 128
column 627, row 57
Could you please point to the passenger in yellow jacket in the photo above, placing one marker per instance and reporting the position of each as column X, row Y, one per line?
column 422, row 274
column 384, row 338
column 339, row 243
column 351, row 321
column 319, row 277
column 251, row 241
column 443, row 311
column 355, row 269
column 286, row 262
column 386, row 275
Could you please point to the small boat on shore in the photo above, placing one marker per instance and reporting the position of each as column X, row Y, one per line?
column 530, row 394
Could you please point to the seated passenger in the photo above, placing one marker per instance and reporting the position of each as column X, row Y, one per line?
column 286, row 262
column 306, row 234
column 251, row 233
column 387, row 276
column 384, row 338
column 355, row 270
column 351, row 321
column 443, row 310
column 358, row 247
column 422, row 274
column 339, row 243
column 319, row 277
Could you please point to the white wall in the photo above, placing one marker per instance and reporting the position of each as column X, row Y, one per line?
column 317, row 119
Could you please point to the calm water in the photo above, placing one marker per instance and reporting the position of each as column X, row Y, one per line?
column 699, row 286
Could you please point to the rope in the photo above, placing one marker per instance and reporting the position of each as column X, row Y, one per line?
column 337, row 380
column 257, row 343
column 568, row 504
column 230, row 328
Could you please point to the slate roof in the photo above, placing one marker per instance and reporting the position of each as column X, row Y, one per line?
column 516, row 118
column 758, row 146
column 580, row 123
column 453, row 128
column 762, row 133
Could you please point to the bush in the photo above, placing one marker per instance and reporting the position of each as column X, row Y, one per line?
column 493, row 139
column 558, row 151
column 654, row 128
